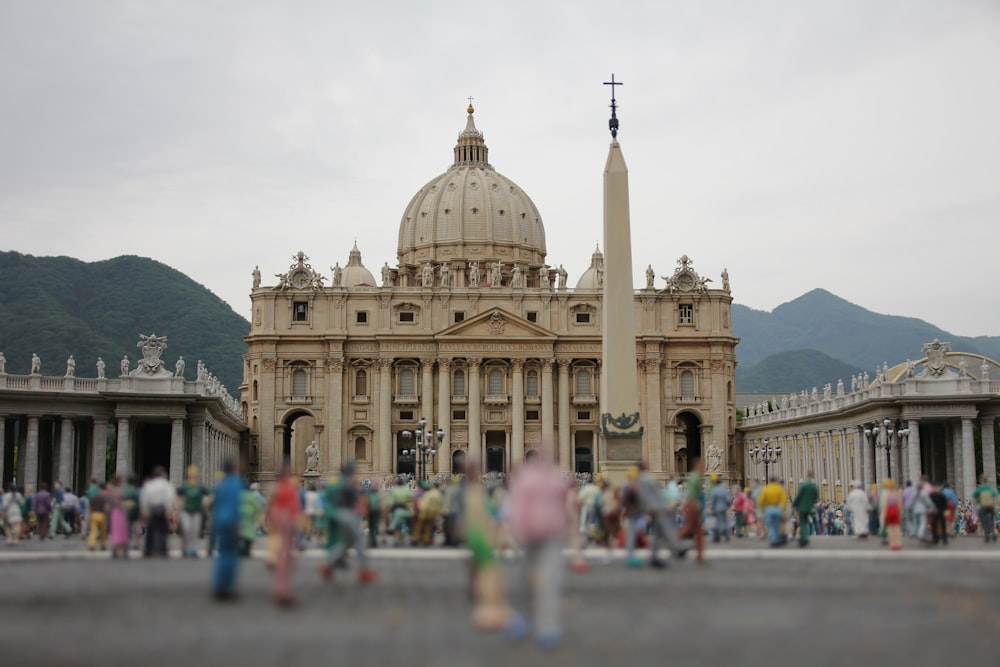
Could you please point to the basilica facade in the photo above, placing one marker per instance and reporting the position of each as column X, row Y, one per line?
column 474, row 346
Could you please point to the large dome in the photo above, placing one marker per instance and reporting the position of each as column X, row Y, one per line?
column 471, row 212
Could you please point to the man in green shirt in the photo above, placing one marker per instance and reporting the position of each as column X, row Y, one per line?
column 805, row 502
column 191, row 498
column 985, row 496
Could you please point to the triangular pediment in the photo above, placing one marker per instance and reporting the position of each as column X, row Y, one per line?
column 497, row 323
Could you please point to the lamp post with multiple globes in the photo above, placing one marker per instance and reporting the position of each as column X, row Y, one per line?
column 425, row 446
column 884, row 437
column 767, row 455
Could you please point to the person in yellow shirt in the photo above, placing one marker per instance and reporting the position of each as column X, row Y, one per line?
column 772, row 502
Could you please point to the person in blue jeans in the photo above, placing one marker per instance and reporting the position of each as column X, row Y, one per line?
column 226, row 526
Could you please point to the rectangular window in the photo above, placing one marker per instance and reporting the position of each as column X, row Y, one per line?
column 459, row 316
column 583, row 318
column 459, row 382
column 406, row 415
column 685, row 314
column 531, row 415
column 583, row 416
column 406, row 316
column 458, row 415
column 532, row 316
column 532, row 389
column 300, row 311
column 362, row 317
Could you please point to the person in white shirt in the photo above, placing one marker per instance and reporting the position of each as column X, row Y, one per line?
column 156, row 503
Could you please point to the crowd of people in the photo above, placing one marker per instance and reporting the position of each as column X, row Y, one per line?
column 535, row 512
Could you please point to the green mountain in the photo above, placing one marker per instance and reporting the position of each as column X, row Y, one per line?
column 823, row 322
column 793, row 371
column 57, row 306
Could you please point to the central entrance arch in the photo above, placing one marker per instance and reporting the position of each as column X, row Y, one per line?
column 688, row 429
column 299, row 429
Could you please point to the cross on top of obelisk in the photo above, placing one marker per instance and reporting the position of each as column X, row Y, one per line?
column 613, row 122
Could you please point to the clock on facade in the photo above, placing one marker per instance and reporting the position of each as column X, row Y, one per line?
column 685, row 281
column 299, row 279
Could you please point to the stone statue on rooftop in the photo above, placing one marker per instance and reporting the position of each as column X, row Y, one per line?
column 100, row 368
column 36, row 364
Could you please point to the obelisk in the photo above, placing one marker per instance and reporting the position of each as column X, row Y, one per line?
column 621, row 424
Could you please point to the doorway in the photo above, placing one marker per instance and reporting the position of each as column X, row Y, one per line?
column 496, row 448
column 689, row 428
column 152, row 448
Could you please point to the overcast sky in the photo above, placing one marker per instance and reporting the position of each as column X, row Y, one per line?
column 853, row 146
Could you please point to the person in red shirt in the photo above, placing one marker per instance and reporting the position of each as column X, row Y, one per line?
column 283, row 513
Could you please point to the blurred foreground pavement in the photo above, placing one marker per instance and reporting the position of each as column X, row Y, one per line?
column 833, row 604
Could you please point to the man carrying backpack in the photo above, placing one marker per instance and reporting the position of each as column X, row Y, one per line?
column 985, row 496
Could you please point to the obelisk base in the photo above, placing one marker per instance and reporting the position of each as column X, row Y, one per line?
column 620, row 452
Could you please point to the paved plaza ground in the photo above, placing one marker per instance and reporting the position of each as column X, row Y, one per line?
column 838, row 602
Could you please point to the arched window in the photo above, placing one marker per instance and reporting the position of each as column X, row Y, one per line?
column 532, row 378
column 299, row 383
column 361, row 383
column 360, row 451
column 583, row 383
column 494, row 383
column 406, row 382
column 458, row 384
column 687, row 384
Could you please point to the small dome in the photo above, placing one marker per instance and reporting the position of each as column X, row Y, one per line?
column 355, row 272
column 471, row 212
column 593, row 277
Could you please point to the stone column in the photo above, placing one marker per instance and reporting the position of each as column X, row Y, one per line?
column 66, row 453
column 385, row 465
column 177, row 451
column 565, row 445
column 335, row 434
column 99, row 449
column 913, row 451
column 123, row 463
column 427, row 404
column 986, row 426
column 31, row 454
column 3, row 446
column 955, row 473
column 475, row 412
column 968, row 460
column 444, row 414
column 198, row 454
column 517, row 428
column 548, row 426
column 867, row 459
column 654, row 432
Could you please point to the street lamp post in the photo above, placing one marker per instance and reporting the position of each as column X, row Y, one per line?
column 767, row 455
column 425, row 446
column 883, row 437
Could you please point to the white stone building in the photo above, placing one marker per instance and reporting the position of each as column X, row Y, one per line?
column 916, row 418
column 61, row 427
column 475, row 333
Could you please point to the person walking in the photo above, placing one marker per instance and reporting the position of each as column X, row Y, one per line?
column 343, row 501
column 156, row 505
column 191, row 502
column 985, row 497
column 118, row 519
column 694, row 505
column 283, row 513
column 719, row 501
column 859, row 505
column 43, row 510
column 772, row 499
column 662, row 524
column 938, row 515
column 539, row 520
column 226, row 503
column 99, row 506
column 805, row 503
column 10, row 512
column 891, row 513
